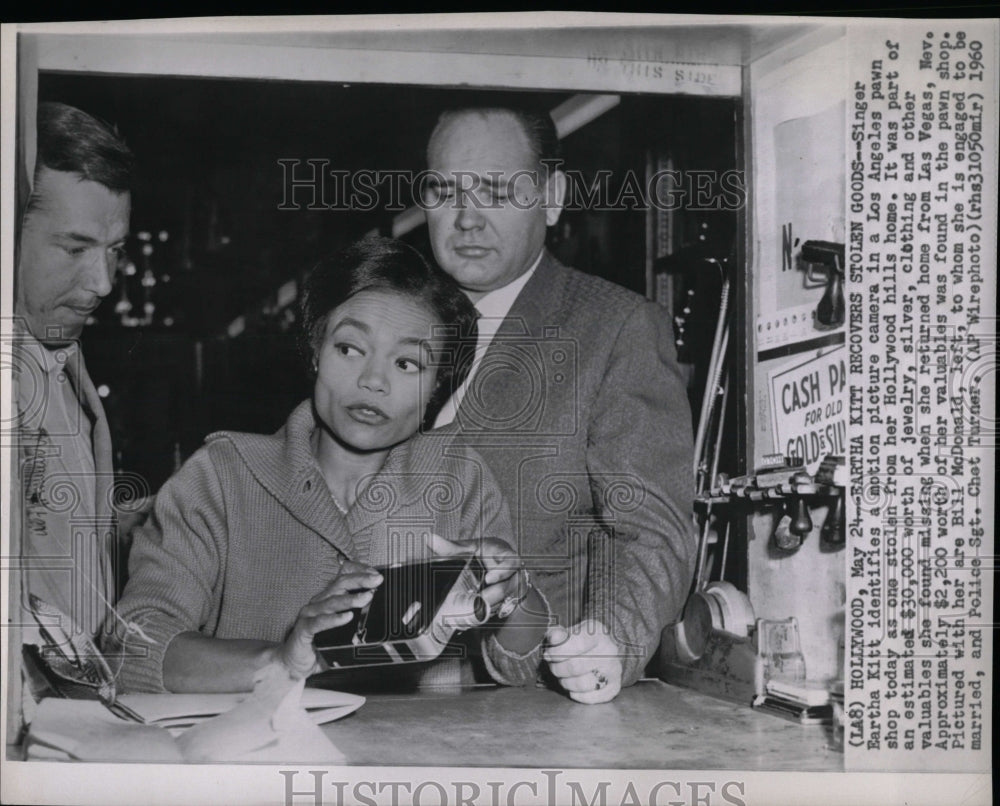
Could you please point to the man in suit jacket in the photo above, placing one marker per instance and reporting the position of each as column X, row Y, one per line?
column 72, row 232
column 574, row 400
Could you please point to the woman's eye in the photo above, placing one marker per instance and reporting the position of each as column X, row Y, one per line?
column 409, row 365
column 346, row 349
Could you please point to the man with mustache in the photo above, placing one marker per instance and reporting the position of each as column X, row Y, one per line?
column 574, row 400
column 72, row 233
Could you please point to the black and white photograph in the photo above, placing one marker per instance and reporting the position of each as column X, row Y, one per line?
column 535, row 408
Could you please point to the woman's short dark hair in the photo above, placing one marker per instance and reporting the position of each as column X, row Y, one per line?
column 385, row 264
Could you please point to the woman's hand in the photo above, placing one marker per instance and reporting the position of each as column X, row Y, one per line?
column 501, row 563
column 523, row 613
column 352, row 588
column 502, row 580
column 585, row 660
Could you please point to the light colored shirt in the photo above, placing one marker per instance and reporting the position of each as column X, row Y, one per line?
column 64, row 544
column 493, row 308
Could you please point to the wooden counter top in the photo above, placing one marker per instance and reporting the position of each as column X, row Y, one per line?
column 651, row 725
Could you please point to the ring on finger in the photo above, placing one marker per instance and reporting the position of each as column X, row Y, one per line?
column 600, row 677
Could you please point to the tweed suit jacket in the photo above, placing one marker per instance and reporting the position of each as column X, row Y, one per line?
column 579, row 410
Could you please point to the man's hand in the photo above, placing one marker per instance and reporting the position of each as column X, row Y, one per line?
column 585, row 660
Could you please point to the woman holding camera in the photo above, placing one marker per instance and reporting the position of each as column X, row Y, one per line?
column 260, row 542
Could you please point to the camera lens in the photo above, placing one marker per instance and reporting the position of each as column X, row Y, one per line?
column 461, row 612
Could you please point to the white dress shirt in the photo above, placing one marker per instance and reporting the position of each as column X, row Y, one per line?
column 493, row 308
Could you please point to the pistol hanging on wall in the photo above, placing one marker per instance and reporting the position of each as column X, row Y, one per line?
column 825, row 265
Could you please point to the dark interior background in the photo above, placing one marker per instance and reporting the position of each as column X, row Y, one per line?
column 209, row 178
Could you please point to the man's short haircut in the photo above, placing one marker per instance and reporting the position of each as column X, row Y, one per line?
column 538, row 127
column 70, row 140
column 384, row 264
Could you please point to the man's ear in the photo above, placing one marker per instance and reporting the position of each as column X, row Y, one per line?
column 555, row 196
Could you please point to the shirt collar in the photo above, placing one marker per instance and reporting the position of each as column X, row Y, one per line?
column 51, row 361
column 498, row 302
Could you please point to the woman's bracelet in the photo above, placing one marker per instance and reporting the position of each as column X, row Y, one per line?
column 511, row 603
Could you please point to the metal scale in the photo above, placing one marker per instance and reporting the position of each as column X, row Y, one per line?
column 719, row 646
